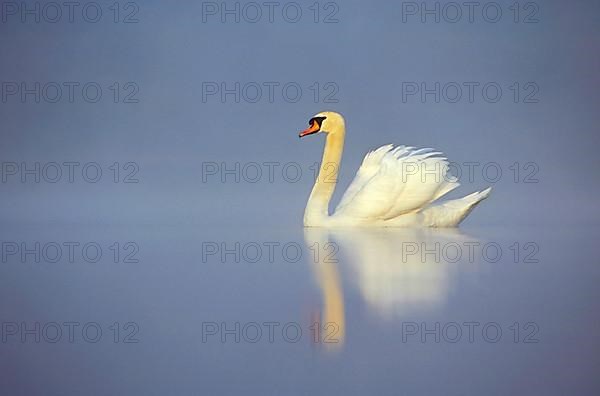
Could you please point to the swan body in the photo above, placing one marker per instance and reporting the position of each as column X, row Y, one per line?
column 395, row 186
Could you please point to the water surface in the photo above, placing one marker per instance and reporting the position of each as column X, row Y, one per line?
column 271, row 310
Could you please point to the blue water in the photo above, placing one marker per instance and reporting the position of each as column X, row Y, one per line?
column 475, row 311
column 140, row 253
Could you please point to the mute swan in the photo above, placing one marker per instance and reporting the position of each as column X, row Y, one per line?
column 393, row 187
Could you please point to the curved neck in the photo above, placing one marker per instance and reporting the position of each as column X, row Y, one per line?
column 317, row 208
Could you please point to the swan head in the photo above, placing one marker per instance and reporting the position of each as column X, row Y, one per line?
column 326, row 122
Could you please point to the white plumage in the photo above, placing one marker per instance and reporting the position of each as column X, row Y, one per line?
column 394, row 186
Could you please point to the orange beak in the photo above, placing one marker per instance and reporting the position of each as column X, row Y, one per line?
column 314, row 128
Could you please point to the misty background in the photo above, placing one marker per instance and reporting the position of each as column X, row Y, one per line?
column 143, row 98
column 366, row 56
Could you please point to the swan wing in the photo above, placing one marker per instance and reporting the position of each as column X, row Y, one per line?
column 368, row 169
column 396, row 180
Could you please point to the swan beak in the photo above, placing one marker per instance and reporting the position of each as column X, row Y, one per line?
column 314, row 128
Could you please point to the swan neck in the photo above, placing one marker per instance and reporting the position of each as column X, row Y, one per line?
column 317, row 208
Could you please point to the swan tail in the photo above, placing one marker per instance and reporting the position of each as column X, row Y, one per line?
column 445, row 188
column 451, row 213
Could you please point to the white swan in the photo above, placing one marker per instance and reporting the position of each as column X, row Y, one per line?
column 393, row 187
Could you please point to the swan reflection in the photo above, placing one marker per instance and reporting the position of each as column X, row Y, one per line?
column 397, row 271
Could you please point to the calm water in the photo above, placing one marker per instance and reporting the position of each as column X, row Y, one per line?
column 190, row 308
column 183, row 310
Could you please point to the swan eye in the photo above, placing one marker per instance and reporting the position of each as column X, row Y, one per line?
column 317, row 120
column 314, row 126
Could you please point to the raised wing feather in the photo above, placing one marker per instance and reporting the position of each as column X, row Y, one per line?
column 394, row 181
column 368, row 169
